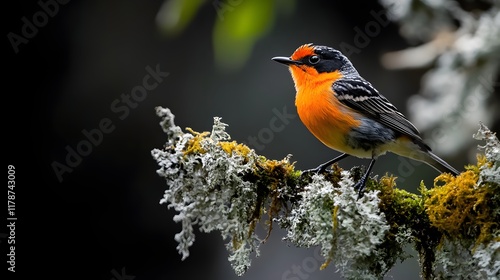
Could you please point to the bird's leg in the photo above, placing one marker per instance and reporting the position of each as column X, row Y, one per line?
column 322, row 167
column 360, row 185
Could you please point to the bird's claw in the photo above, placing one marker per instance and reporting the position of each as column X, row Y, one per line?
column 360, row 187
column 318, row 170
column 312, row 170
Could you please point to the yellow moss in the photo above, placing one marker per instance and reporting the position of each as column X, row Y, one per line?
column 482, row 160
column 234, row 147
column 325, row 264
column 334, row 218
column 457, row 206
column 236, row 243
column 335, row 211
column 274, row 208
column 388, row 181
column 276, row 167
column 450, row 204
column 253, row 223
column 272, row 176
column 194, row 145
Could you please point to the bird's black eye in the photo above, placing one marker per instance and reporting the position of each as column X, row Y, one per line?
column 314, row 59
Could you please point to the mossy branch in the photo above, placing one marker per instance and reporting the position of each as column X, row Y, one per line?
column 217, row 184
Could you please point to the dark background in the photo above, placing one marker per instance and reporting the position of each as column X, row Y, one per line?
column 105, row 215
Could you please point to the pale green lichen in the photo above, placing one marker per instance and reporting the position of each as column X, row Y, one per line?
column 216, row 184
column 349, row 230
column 462, row 259
column 489, row 173
column 362, row 228
column 206, row 189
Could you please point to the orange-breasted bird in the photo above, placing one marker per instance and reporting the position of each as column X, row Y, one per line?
column 346, row 113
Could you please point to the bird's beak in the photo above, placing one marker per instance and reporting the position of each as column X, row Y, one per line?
column 286, row 60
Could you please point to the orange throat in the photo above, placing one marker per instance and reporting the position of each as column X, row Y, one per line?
column 318, row 108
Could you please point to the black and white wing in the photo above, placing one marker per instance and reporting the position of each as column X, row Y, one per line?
column 361, row 96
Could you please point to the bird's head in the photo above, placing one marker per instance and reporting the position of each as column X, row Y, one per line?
column 310, row 62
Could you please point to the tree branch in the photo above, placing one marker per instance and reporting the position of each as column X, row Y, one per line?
column 217, row 184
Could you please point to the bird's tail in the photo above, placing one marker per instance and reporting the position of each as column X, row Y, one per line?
column 419, row 151
column 440, row 165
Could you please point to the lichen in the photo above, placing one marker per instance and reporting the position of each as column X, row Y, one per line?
column 218, row 184
column 205, row 187
column 215, row 184
column 490, row 171
column 349, row 230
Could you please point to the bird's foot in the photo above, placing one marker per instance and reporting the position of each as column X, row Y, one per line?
column 318, row 170
column 360, row 187
column 322, row 168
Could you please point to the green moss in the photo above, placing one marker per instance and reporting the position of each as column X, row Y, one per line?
column 405, row 214
column 275, row 179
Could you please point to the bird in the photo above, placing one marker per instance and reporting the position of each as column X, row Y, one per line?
column 347, row 114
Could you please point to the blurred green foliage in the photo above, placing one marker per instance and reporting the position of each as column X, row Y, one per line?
column 175, row 15
column 238, row 27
